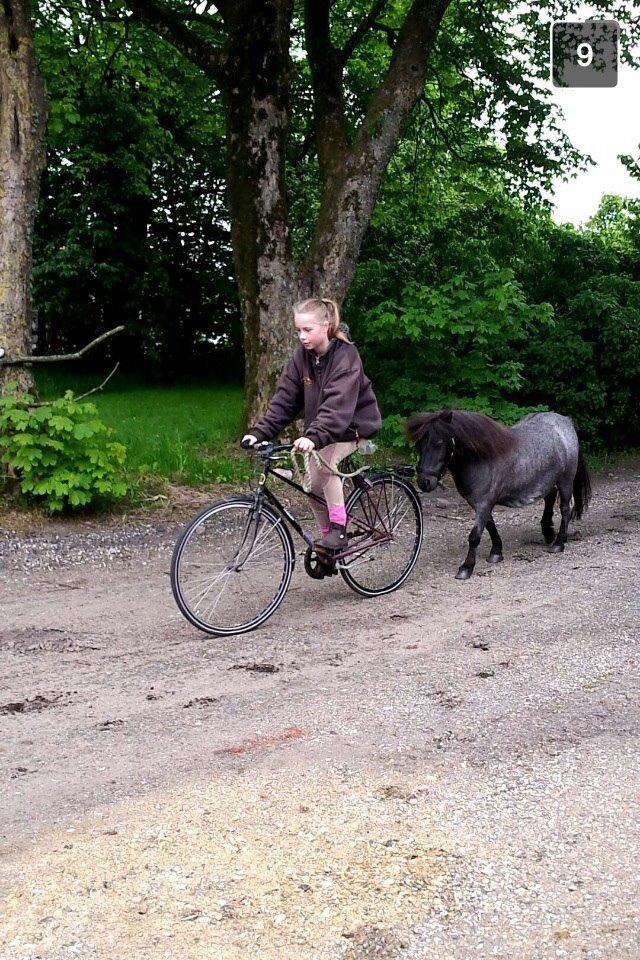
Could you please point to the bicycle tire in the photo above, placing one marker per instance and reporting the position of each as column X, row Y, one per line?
column 349, row 568
column 244, row 587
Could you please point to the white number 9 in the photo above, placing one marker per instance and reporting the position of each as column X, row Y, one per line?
column 585, row 54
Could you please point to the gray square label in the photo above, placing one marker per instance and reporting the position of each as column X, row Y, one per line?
column 584, row 53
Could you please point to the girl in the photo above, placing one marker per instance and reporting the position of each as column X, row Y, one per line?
column 325, row 379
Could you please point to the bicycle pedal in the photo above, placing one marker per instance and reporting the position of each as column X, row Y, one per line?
column 326, row 561
column 317, row 565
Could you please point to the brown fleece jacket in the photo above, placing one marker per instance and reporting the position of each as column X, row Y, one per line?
column 337, row 398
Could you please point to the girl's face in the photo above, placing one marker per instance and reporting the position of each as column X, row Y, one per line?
column 311, row 331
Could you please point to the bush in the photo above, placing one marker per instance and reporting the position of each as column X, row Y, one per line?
column 590, row 364
column 452, row 344
column 61, row 452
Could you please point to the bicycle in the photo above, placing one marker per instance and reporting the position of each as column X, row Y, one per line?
column 232, row 565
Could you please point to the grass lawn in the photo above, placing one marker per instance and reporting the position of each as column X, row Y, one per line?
column 184, row 434
column 188, row 434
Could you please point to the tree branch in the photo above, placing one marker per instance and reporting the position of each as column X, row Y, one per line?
column 61, row 356
column 46, row 403
column 441, row 132
column 172, row 27
column 391, row 32
column 401, row 88
column 361, row 30
column 349, row 198
column 116, row 50
column 325, row 65
column 101, row 387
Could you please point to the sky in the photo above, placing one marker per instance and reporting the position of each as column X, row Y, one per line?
column 603, row 123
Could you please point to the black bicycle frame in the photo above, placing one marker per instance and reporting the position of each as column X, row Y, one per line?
column 264, row 492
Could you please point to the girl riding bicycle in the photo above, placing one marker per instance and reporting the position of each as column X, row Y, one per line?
column 325, row 379
column 233, row 563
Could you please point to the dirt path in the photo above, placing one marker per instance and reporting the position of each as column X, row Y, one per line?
column 448, row 772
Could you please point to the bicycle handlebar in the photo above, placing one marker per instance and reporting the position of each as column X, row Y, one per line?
column 266, row 448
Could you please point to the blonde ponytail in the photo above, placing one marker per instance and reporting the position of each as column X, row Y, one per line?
column 324, row 309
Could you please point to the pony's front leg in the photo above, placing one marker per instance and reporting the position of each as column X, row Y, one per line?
column 465, row 571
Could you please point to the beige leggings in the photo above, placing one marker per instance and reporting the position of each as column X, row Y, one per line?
column 324, row 484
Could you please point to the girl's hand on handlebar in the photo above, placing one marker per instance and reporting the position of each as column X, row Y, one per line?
column 304, row 445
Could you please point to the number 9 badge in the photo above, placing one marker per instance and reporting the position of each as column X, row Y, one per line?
column 584, row 53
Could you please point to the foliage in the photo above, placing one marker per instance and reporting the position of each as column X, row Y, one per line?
column 484, row 300
column 486, row 107
column 453, row 344
column 132, row 220
column 61, row 452
column 468, row 259
column 133, row 224
column 590, row 362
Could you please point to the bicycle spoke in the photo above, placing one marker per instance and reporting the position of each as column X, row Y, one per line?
column 218, row 598
column 395, row 523
column 386, row 500
column 260, row 556
column 198, row 598
column 261, row 544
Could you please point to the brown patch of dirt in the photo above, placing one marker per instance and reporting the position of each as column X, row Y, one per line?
column 266, row 740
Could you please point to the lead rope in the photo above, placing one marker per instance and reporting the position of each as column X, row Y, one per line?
column 304, row 479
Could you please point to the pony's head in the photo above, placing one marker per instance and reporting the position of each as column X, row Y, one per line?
column 467, row 436
column 431, row 432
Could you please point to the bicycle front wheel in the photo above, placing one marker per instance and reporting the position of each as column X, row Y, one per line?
column 232, row 566
column 385, row 535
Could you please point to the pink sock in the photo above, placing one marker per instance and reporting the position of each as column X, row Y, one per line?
column 338, row 515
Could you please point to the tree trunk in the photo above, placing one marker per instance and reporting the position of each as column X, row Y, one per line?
column 258, row 110
column 22, row 159
column 354, row 174
column 257, row 100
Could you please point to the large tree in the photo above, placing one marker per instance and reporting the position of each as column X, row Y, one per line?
column 245, row 47
column 22, row 158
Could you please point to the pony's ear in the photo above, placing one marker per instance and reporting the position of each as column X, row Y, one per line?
column 447, row 416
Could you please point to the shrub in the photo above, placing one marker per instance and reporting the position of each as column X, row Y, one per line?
column 61, row 452
column 454, row 344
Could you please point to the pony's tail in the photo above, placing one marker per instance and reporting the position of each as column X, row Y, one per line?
column 581, row 489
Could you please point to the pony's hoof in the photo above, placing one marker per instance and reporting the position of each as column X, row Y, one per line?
column 556, row 548
column 495, row 558
column 463, row 573
column 549, row 535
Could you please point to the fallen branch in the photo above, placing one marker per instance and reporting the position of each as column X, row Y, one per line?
column 61, row 356
column 46, row 403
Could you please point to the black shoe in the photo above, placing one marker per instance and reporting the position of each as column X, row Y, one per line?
column 336, row 539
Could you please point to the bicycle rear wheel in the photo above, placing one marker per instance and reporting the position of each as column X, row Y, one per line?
column 385, row 520
column 231, row 568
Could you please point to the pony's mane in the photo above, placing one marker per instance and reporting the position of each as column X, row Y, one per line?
column 476, row 435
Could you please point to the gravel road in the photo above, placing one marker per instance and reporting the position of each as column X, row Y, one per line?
column 447, row 773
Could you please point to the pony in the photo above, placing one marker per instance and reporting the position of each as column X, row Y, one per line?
column 539, row 458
